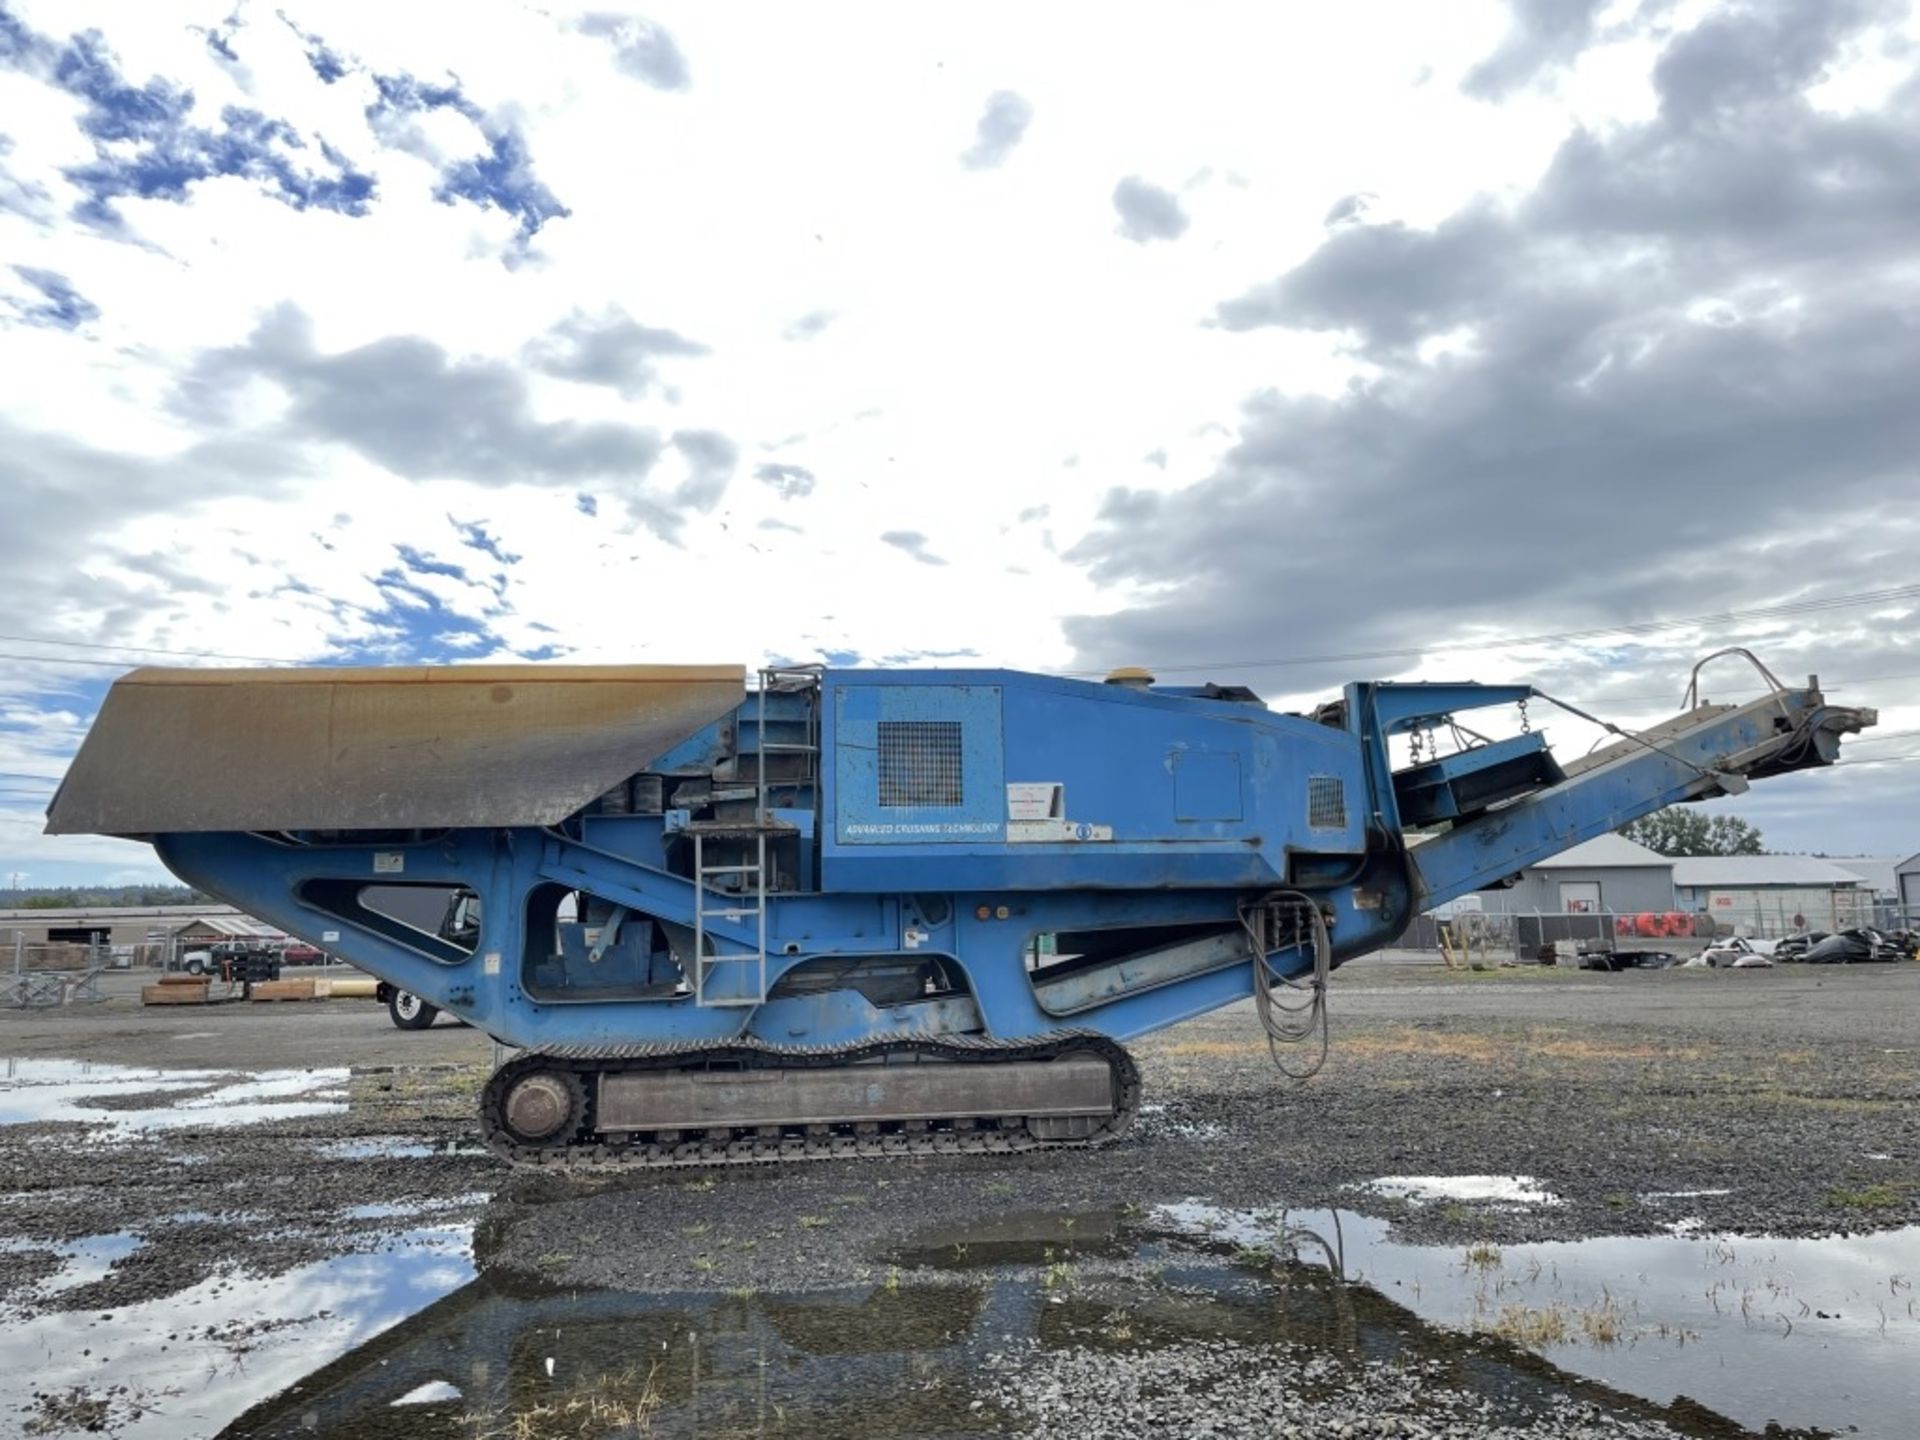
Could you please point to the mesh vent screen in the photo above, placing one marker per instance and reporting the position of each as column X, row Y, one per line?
column 1326, row 802
column 920, row 763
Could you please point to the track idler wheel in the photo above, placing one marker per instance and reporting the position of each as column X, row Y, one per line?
column 545, row 1108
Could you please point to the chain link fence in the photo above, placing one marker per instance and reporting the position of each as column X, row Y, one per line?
column 1544, row 937
column 47, row 975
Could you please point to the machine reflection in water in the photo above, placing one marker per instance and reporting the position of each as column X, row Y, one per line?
column 935, row 1345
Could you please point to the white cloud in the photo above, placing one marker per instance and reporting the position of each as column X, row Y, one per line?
column 985, row 324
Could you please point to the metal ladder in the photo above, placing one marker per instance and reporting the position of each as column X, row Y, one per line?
column 753, row 987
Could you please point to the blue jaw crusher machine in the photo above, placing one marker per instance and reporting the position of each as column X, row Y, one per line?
column 849, row 912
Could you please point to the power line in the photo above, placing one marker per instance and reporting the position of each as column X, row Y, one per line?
column 144, row 649
column 1786, row 608
column 107, row 664
column 1645, row 627
column 1884, row 735
column 1827, row 685
column 69, row 660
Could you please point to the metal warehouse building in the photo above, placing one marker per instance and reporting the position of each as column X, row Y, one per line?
column 1775, row 894
column 128, row 925
column 1609, row 874
column 1757, row 894
column 1906, row 879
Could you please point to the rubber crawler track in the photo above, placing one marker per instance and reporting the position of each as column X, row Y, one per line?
column 586, row 1151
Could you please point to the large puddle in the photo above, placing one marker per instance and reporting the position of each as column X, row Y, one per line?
column 965, row 1331
column 187, row 1364
column 407, row 1343
column 1801, row 1333
column 122, row 1102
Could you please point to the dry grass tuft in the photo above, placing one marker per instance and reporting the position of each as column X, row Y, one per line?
column 1214, row 1049
column 1427, row 1042
column 1602, row 1323
column 1532, row 1326
column 624, row 1403
column 1553, row 1044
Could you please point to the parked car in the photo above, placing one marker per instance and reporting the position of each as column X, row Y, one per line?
column 231, row 960
column 1856, row 947
column 1627, row 959
column 1738, row 951
column 298, row 952
column 1795, row 947
column 406, row 1009
column 459, row 924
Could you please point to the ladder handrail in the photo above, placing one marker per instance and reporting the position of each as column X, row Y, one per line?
column 753, row 896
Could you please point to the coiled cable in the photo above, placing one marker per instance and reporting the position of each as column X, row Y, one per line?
column 1289, row 1023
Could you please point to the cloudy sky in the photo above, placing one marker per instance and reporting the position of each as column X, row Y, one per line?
column 1286, row 345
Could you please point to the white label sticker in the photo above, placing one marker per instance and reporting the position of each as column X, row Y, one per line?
column 491, row 964
column 929, row 827
column 1055, row 832
column 1036, row 800
column 389, row 862
column 327, row 937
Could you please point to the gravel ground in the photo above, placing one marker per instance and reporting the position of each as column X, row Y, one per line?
column 263, row 1198
column 1791, row 1090
column 1224, row 1391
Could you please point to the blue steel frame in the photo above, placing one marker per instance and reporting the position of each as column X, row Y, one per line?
column 977, row 904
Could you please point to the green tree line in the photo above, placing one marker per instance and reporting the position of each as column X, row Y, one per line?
column 79, row 897
column 1682, row 830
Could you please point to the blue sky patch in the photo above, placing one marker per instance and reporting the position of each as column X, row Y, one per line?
column 405, row 94
column 19, row 46
column 221, row 44
column 61, row 307
column 475, row 534
column 147, row 146
column 246, row 144
column 326, row 62
column 414, row 627
column 119, row 111
column 422, row 563
column 502, row 179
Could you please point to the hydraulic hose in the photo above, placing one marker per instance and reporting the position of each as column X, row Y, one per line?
column 1289, row 1023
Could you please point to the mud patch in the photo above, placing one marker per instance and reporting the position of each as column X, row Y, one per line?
column 393, row 1147
column 158, row 1098
column 24, row 1265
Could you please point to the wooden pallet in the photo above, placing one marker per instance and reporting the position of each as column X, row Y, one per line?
column 177, row 990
